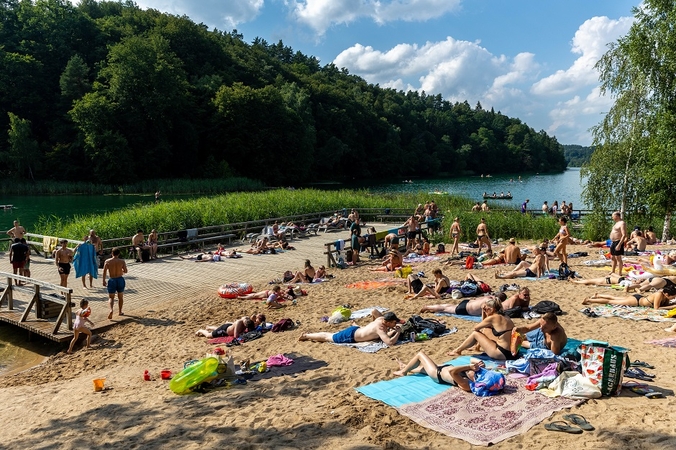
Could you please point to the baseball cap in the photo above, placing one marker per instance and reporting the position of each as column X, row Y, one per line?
column 390, row 316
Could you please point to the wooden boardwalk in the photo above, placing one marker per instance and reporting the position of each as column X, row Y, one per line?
column 150, row 285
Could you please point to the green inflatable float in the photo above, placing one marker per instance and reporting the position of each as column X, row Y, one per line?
column 193, row 375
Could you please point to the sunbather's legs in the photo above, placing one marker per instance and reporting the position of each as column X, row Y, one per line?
column 445, row 308
column 317, row 337
column 419, row 360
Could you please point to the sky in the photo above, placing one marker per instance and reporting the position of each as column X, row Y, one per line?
column 530, row 59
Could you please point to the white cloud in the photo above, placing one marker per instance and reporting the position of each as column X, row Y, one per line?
column 216, row 13
column 590, row 42
column 321, row 14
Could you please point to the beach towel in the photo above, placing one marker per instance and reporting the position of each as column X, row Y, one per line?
column 300, row 364
column 666, row 342
column 628, row 312
column 361, row 313
column 340, row 244
column 221, row 340
column 49, row 243
column 375, row 284
column 413, row 258
column 85, row 261
column 457, row 316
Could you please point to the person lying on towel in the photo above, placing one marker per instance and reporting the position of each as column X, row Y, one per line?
column 459, row 376
column 385, row 328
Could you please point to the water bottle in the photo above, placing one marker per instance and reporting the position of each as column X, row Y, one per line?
column 412, row 337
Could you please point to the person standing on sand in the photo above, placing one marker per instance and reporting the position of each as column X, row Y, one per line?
column 385, row 328
column 117, row 268
column 62, row 258
column 456, row 231
column 618, row 236
column 482, row 236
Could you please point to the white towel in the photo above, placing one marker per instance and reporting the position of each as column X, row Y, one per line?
column 192, row 233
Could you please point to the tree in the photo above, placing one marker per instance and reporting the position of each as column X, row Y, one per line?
column 24, row 151
column 627, row 168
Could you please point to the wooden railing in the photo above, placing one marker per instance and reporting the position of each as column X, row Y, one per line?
column 63, row 297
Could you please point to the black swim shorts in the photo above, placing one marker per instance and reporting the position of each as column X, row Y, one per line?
column 614, row 250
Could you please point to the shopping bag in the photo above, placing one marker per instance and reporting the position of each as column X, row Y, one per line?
column 604, row 365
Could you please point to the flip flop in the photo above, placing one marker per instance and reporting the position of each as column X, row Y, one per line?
column 641, row 371
column 633, row 374
column 562, row 426
column 578, row 420
column 638, row 363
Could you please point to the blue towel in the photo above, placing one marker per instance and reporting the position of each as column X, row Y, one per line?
column 85, row 262
column 340, row 244
column 457, row 316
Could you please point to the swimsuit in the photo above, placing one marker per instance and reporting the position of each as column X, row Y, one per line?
column 345, row 336
column 530, row 273
column 65, row 268
column 638, row 298
column 221, row 331
column 116, row 285
column 461, row 309
column 416, row 285
column 440, row 380
column 614, row 251
column 507, row 353
column 499, row 333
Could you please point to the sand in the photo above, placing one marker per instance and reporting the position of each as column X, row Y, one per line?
column 54, row 405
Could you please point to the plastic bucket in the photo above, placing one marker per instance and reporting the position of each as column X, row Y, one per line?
column 98, row 384
column 165, row 374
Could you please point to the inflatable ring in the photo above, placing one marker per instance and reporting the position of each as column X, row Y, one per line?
column 234, row 290
column 662, row 272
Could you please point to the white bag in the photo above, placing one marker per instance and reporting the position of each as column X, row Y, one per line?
column 572, row 384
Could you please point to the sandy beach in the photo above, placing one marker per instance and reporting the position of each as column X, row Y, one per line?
column 53, row 405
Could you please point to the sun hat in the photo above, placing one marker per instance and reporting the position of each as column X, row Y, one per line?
column 512, row 240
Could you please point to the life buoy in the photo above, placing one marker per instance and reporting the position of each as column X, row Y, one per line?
column 234, row 290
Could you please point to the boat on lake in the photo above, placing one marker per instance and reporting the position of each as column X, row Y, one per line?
column 498, row 197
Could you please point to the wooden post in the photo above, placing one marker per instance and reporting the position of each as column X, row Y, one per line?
column 7, row 294
column 34, row 300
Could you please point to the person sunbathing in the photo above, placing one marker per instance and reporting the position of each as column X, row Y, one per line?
column 495, row 344
column 236, row 329
column 467, row 307
column 321, row 273
column 546, row 333
column 536, row 269
column 521, row 300
column 273, row 300
column 612, row 278
column 637, row 243
column 459, row 376
column 385, row 327
column 306, row 276
column 658, row 300
column 417, row 289
column 260, row 246
column 650, row 283
column 260, row 295
column 391, row 262
column 202, row 257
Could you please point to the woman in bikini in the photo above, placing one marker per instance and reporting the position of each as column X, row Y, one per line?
column 562, row 240
column 306, row 276
column 658, row 300
column 495, row 343
column 455, row 235
column 613, row 278
column 459, row 376
column 651, row 283
column 260, row 294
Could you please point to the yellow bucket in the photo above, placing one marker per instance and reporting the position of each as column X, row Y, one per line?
column 98, row 384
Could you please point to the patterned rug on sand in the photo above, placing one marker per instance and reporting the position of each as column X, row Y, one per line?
column 485, row 420
column 630, row 312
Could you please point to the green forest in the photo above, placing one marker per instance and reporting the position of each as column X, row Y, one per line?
column 109, row 93
column 577, row 155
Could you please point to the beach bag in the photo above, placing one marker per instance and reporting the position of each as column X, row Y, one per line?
column 573, row 384
column 545, row 306
column 487, row 382
column 469, row 262
column 288, row 276
column 441, row 248
column 483, row 288
column 604, row 365
column 282, row 325
column 565, row 272
column 340, row 263
column 434, row 325
column 468, row 289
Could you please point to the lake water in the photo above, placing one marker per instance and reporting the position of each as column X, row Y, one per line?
column 15, row 353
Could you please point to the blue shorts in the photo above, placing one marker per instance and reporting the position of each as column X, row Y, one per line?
column 345, row 336
column 116, row 285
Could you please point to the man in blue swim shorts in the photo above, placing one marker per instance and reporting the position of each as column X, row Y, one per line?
column 116, row 268
column 384, row 327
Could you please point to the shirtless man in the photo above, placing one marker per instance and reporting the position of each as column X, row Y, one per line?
column 484, row 207
column 521, row 300
column 116, row 267
column 482, row 236
column 385, row 328
column 391, row 262
column 139, row 243
column 19, row 255
column 650, row 236
column 63, row 257
column 546, row 333
column 536, row 269
column 512, row 252
column 236, row 329
column 638, row 243
column 16, row 232
column 618, row 236
column 476, row 207
column 413, row 230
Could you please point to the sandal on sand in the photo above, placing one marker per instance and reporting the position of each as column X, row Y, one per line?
column 638, row 374
column 580, row 421
column 560, row 425
column 638, row 363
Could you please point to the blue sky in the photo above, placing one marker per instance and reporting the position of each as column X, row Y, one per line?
column 531, row 59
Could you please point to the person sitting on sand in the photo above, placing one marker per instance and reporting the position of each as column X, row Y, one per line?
column 658, row 300
column 638, row 243
column 473, row 307
column 417, row 289
column 80, row 324
column 495, row 344
column 275, row 296
column 650, row 236
column 519, row 300
column 306, row 276
column 385, row 327
column 450, row 375
column 536, row 269
column 236, row 328
column 546, row 333
column 393, row 261
column 320, row 274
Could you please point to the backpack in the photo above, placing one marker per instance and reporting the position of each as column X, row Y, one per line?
column 283, row 325
column 469, row 289
column 565, row 272
column 340, row 263
column 483, row 288
column 546, row 306
column 441, row 248
column 469, row 262
column 416, row 324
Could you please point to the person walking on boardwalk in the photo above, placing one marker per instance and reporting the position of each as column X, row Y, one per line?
column 116, row 268
column 62, row 258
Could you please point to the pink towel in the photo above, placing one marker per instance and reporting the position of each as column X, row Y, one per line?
column 279, row 360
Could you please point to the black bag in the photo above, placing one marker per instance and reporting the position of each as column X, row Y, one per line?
column 565, row 272
column 514, row 313
column 441, row 248
column 283, row 325
column 417, row 324
column 545, row 306
column 250, row 336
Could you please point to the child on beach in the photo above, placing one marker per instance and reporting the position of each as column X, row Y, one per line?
column 79, row 326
